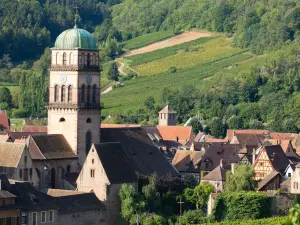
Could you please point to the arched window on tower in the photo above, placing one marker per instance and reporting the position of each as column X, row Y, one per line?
column 82, row 92
column 88, row 141
column 88, row 120
column 63, row 93
column 70, row 93
column 56, row 59
column 88, row 94
column 88, row 59
column 94, row 93
column 65, row 58
column 71, row 58
column 56, row 93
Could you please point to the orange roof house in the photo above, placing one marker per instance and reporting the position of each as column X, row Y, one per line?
column 179, row 134
column 4, row 120
column 230, row 133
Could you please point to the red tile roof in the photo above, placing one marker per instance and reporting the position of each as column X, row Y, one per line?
column 34, row 128
column 282, row 136
column 230, row 133
column 174, row 133
column 4, row 120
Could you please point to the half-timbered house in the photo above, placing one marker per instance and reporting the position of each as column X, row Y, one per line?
column 269, row 159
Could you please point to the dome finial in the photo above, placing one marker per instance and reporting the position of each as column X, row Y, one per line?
column 76, row 16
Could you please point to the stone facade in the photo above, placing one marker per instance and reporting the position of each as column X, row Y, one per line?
column 90, row 218
column 37, row 216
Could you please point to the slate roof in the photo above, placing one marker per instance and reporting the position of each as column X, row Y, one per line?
column 277, row 157
column 145, row 155
column 6, row 194
column 167, row 109
column 217, row 151
column 79, row 203
column 172, row 133
column 117, row 165
column 50, row 146
column 188, row 161
column 32, row 199
column 10, row 154
column 267, row 179
column 218, row 174
column 35, row 128
column 4, row 120
column 287, row 147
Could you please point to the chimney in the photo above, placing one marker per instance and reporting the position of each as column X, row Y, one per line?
column 253, row 156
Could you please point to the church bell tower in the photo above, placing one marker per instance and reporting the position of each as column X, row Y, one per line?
column 74, row 91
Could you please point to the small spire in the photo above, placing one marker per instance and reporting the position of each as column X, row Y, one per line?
column 76, row 16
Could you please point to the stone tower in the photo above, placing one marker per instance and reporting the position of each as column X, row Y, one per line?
column 74, row 91
column 167, row 117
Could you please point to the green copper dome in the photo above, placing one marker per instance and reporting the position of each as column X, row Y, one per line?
column 75, row 38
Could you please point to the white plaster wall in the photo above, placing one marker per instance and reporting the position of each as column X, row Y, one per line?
column 295, row 178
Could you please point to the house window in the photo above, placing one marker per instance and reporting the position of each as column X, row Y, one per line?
column 261, row 164
column 25, row 160
column 21, row 174
column 51, row 215
column 295, row 185
column 289, row 174
column 34, row 218
column 43, row 217
column 92, row 173
column 70, row 93
column 56, row 93
column 30, row 173
column 24, row 219
column 25, row 174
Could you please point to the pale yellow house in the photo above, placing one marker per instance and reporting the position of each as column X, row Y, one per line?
column 106, row 168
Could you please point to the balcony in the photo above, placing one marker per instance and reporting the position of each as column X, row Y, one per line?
column 65, row 105
column 91, row 68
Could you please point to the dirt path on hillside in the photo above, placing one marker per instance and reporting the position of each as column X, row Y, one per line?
column 176, row 40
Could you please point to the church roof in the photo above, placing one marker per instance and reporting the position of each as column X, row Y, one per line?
column 139, row 147
column 10, row 154
column 167, row 109
column 50, row 146
column 117, row 165
column 75, row 39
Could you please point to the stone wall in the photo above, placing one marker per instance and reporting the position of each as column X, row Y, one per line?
column 82, row 218
column 282, row 203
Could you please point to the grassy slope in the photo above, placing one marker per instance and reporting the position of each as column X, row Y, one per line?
column 146, row 39
column 218, row 60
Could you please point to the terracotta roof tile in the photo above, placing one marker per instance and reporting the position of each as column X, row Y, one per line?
column 61, row 192
column 188, row 161
column 34, row 128
column 230, row 133
column 119, row 125
column 4, row 137
column 172, row 133
column 282, row 136
column 10, row 154
column 4, row 120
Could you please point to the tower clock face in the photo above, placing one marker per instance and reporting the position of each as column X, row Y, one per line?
column 63, row 78
column 89, row 79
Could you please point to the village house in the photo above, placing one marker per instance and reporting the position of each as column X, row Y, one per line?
column 188, row 163
column 217, row 152
column 295, row 181
column 106, row 168
column 271, row 182
column 269, row 159
column 217, row 177
column 16, row 162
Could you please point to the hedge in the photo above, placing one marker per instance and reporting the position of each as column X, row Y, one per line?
column 268, row 221
column 241, row 206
